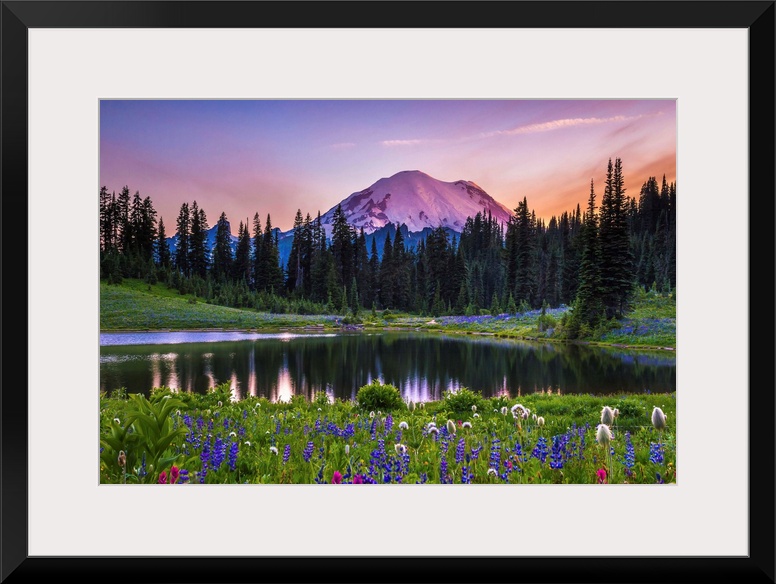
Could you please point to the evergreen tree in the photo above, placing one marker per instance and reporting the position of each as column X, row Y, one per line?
column 162, row 247
column 259, row 277
column 271, row 259
column 222, row 250
column 616, row 261
column 184, row 236
column 387, row 274
column 294, row 271
column 588, row 307
column 198, row 247
column 342, row 246
column 242, row 256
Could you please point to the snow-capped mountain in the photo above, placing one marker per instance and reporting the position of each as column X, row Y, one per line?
column 417, row 200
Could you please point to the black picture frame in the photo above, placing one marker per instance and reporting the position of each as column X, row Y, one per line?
column 756, row 16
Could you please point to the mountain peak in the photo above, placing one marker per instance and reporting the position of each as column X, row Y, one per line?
column 417, row 200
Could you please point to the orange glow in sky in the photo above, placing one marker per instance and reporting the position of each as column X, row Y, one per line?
column 273, row 157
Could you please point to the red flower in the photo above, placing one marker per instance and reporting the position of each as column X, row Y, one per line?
column 337, row 478
column 162, row 478
column 601, row 474
column 357, row 480
column 174, row 473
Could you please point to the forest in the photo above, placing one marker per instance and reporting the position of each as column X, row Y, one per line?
column 589, row 258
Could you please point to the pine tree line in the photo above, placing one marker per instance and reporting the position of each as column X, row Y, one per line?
column 588, row 260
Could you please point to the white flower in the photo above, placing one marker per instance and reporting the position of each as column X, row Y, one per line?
column 411, row 406
column 540, row 421
column 476, row 415
column 466, row 425
column 347, row 449
column 117, row 421
column 247, row 443
column 433, row 430
column 403, row 425
column 533, row 417
column 492, row 471
column 504, row 410
column 607, row 416
column 421, row 405
column 450, row 427
column 658, row 419
column 232, row 434
column 603, row 435
column 319, row 409
column 371, row 414
column 400, row 448
column 474, row 408
column 616, row 412
column 219, row 403
column 273, row 449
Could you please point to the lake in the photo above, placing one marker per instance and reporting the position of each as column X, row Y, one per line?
column 422, row 365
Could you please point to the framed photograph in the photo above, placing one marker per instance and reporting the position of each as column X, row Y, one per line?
column 117, row 93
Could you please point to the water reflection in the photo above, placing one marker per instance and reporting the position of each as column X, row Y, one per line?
column 422, row 366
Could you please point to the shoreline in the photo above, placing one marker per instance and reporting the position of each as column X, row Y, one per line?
column 363, row 328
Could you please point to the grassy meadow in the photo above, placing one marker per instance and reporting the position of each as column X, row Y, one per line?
column 181, row 438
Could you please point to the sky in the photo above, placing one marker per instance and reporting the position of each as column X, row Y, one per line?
column 275, row 157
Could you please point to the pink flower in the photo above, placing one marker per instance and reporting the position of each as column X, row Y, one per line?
column 357, row 480
column 601, row 474
column 337, row 478
column 174, row 473
column 162, row 478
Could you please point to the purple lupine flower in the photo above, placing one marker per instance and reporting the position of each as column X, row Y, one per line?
column 308, row 451
column 459, row 451
column 286, row 453
column 233, row 455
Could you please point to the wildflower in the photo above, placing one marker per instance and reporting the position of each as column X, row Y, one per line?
column 658, row 419
column 421, row 405
column 273, row 449
column 247, row 443
column 607, row 416
column 433, row 430
column 233, row 434
column 601, row 474
column 286, row 453
column 466, row 425
column 540, row 421
column 336, row 479
column 411, row 406
column 400, row 448
column 492, row 471
column 174, row 474
column 371, row 415
column 474, row 408
column 476, row 416
column 163, row 478
column 403, row 425
column 357, row 480
column 603, row 435
column 450, row 427
column 504, row 410
column 616, row 412
column 117, row 421
column 347, row 449
column 219, row 403
column 122, row 459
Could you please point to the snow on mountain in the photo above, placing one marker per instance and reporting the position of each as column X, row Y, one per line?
column 417, row 200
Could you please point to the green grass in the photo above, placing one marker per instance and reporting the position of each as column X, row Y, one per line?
column 217, row 440
column 135, row 305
